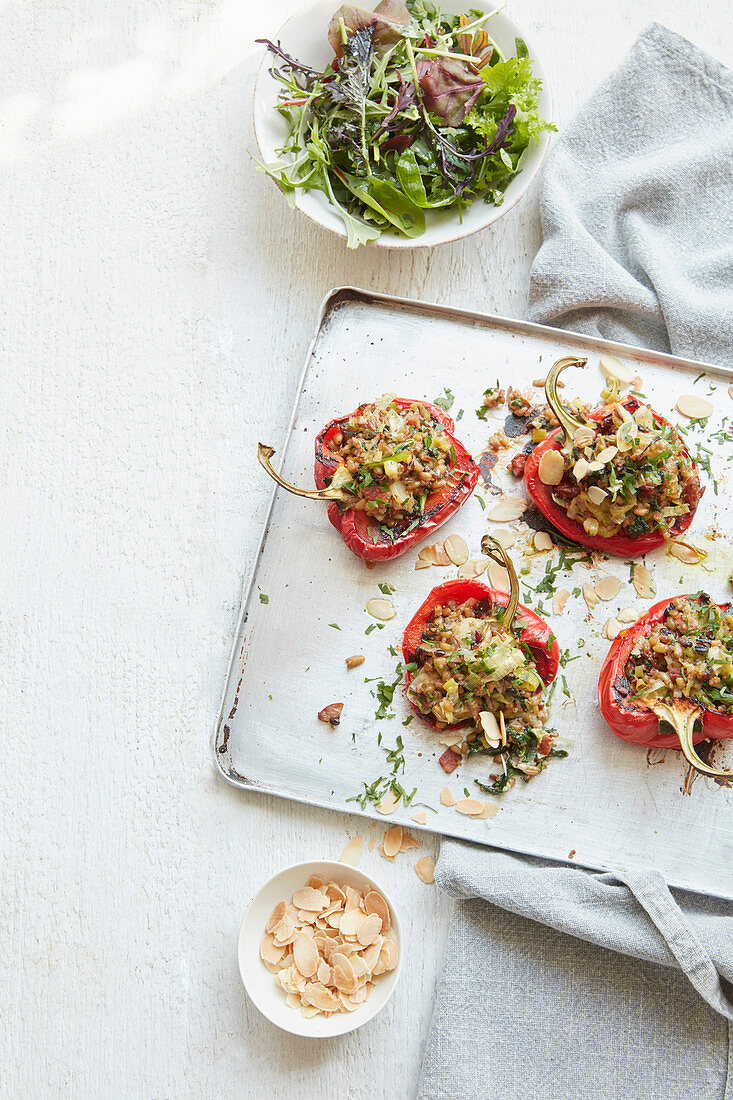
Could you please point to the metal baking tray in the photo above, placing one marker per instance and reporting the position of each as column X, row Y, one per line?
column 609, row 804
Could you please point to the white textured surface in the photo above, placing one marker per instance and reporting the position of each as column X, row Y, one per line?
column 157, row 301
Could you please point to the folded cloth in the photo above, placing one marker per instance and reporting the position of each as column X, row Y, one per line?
column 559, row 982
column 637, row 207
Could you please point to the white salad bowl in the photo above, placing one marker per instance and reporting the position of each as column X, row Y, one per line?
column 303, row 36
column 262, row 986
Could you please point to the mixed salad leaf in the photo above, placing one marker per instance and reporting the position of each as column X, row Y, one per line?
column 418, row 110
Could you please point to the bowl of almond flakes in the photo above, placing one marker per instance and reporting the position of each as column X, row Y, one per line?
column 320, row 949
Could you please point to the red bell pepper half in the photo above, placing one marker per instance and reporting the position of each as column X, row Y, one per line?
column 363, row 536
column 532, row 630
column 541, row 495
column 634, row 721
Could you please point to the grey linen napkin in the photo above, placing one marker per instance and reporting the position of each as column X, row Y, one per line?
column 559, row 982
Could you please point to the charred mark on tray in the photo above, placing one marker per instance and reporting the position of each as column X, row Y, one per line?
column 514, row 425
column 486, row 463
column 534, row 519
column 225, row 740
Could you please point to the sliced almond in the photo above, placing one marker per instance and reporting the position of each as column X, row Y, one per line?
column 421, row 817
column 596, row 495
column 611, row 367
column 690, row 555
column 276, row 916
column 350, row 923
column 344, row 977
column 310, row 899
column 490, row 727
column 392, row 841
column 305, row 954
column 559, row 600
column 644, row 582
column 369, row 929
column 284, row 930
column 551, row 467
column 471, row 807
column 451, row 739
column 490, row 810
column 627, row 615
column 315, row 882
column 607, row 588
column 589, row 595
column 447, row 798
column 422, row 563
column 309, row 1011
column 542, row 540
column 584, row 435
column 320, row 997
column 389, row 803
column 425, row 869
column 612, row 629
column 508, row 509
column 504, row 537
column 694, row 406
column 375, row 903
column 498, row 577
column 730, row 391
column 270, row 952
column 408, row 842
column 456, row 549
column 580, row 469
column 468, row 570
column 606, row 455
column 352, row 852
column 292, row 1000
column 380, row 608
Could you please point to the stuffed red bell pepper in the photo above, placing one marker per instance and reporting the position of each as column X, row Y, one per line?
column 673, row 666
column 471, row 661
column 619, row 480
column 393, row 472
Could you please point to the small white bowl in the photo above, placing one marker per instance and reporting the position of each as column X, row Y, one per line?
column 262, row 986
column 304, row 37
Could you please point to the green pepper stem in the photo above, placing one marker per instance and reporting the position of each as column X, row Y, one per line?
column 682, row 719
column 569, row 424
column 497, row 553
column 264, row 455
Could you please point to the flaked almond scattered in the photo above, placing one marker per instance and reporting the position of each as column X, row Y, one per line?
column 331, row 714
column 505, row 537
column 355, row 661
column 559, row 600
column 583, row 436
column 643, row 582
column 447, row 798
column 580, row 469
column 611, row 367
column 422, row 563
column 596, row 495
column 471, row 807
column 694, row 407
column 352, row 852
column 543, row 540
column 627, row 615
column 389, row 803
column 392, row 841
column 380, row 608
column 607, row 588
column 421, row 817
column 490, row 727
column 451, row 739
column 498, row 577
column 606, row 455
column 490, row 810
column 456, row 549
column 589, row 595
column 612, row 629
column 508, row 509
column 408, row 842
column 425, row 869
column 730, row 391
column 551, row 468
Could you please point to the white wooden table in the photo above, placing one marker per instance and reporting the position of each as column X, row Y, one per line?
column 157, row 301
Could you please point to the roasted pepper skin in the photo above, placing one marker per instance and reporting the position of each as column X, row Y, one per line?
column 357, row 530
column 621, row 545
column 536, row 634
column 631, row 722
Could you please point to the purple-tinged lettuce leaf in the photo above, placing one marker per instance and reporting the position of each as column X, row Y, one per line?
column 450, row 87
column 389, row 19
